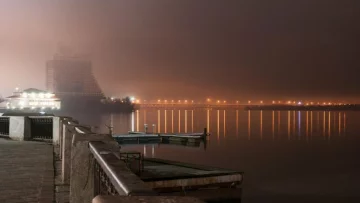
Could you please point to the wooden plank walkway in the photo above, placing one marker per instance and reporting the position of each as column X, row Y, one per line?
column 26, row 172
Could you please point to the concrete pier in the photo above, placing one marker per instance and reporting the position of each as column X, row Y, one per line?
column 60, row 166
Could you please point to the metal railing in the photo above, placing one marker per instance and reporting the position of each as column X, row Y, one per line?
column 112, row 176
column 41, row 128
column 4, row 125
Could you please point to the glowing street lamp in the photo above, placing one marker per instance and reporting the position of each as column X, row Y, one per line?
column 261, row 102
column 159, row 101
column 208, row 100
column 218, row 101
column 249, row 102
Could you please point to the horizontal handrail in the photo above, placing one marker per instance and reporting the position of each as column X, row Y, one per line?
column 124, row 181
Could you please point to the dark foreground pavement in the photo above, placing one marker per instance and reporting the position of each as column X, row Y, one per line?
column 26, row 172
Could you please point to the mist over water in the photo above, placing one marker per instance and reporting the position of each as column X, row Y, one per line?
column 286, row 155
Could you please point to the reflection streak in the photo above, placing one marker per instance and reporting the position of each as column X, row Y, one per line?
column 179, row 121
column 261, row 125
column 218, row 124
column 237, row 123
column 158, row 121
column 224, row 123
column 324, row 124
column 137, row 120
column 185, row 121
column 208, row 120
column 339, row 123
column 273, row 124
column 192, row 120
column 165, row 122
column 329, row 127
column 172, row 121
column 249, row 124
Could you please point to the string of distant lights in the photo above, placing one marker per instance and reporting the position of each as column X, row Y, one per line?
column 237, row 102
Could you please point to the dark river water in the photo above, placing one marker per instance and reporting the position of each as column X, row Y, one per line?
column 287, row 156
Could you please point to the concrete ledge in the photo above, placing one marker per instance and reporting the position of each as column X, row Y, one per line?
column 142, row 199
column 82, row 166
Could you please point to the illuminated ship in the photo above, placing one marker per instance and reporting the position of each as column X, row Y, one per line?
column 32, row 100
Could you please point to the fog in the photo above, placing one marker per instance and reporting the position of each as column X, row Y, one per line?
column 189, row 49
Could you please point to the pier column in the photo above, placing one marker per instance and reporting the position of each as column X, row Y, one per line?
column 68, row 131
column 56, row 131
column 19, row 128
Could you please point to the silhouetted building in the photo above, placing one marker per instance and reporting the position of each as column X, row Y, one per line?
column 71, row 76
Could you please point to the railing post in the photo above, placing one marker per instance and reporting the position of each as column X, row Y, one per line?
column 56, row 130
column 68, row 131
column 82, row 169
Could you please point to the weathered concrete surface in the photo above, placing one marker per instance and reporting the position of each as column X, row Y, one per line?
column 56, row 130
column 142, row 199
column 68, row 131
column 19, row 128
column 61, row 190
column 82, row 170
column 26, row 172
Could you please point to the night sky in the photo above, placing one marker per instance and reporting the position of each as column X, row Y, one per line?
column 231, row 49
